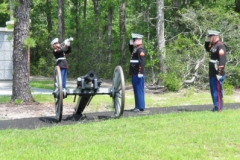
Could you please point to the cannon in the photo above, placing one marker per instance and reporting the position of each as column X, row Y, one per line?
column 87, row 87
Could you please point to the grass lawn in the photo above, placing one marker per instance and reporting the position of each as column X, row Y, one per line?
column 189, row 135
column 186, row 135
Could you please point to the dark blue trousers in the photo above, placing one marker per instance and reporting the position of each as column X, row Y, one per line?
column 64, row 77
column 138, row 89
column 216, row 92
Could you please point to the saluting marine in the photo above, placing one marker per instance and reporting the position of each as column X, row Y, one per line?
column 218, row 58
column 137, row 70
column 59, row 51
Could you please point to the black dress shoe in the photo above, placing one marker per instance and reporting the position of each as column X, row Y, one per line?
column 135, row 110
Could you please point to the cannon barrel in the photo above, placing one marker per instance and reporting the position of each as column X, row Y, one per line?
column 90, row 76
column 90, row 80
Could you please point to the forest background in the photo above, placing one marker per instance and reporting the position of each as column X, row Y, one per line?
column 102, row 29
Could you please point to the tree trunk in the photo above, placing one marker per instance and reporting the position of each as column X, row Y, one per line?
column 95, row 4
column 21, row 89
column 97, row 32
column 29, row 59
column 85, row 9
column 76, row 19
column 160, row 36
column 49, row 19
column 11, row 9
column 237, row 4
column 122, row 23
column 152, row 66
column 109, row 42
column 61, row 19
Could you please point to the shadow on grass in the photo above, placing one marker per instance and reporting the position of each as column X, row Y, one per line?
column 86, row 117
column 49, row 120
column 75, row 118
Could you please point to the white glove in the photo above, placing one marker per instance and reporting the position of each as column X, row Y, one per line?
column 131, row 42
column 67, row 41
column 218, row 77
column 140, row 75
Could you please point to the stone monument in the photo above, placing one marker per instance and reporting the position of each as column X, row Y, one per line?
column 6, row 51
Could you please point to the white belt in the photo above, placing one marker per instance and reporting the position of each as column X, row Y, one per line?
column 134, row 61
column 213, row 61
column 60, row 59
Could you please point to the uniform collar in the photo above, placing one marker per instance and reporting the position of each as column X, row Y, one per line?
column 138, row 46
column 216, row 42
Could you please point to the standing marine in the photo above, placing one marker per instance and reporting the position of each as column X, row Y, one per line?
column 59, row 52
column 217, row 62
column 137, row 70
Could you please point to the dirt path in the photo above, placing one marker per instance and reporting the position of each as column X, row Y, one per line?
column 11, row 111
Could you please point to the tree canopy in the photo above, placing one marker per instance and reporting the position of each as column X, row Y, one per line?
column 102, row 29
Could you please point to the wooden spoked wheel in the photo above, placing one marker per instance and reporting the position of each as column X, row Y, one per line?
column 118, row 91
column 58, row 94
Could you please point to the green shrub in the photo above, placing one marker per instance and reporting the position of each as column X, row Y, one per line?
column 171, row 82
column 233, row 75
column 228, row 88
column 33, row 69
column 44, row 68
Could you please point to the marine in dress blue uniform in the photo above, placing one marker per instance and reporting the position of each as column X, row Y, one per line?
column 137, row 70
column 218, row 58
column 59, row 53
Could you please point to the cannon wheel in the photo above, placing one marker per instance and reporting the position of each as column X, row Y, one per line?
column 58, row 98
column 119, row 91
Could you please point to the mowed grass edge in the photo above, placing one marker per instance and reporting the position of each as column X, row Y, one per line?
column 186, row 135
column 190, row 96
column 169, row 99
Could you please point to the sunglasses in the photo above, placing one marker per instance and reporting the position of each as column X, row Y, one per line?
column 210, row 35
column 134, row 39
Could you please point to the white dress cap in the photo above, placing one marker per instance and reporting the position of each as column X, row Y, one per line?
column 54, row 41
column 136, row 35
column 213, row 33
